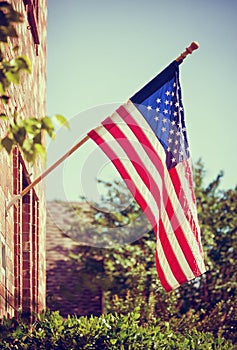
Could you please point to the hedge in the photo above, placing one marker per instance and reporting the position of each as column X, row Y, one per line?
column 111, row 331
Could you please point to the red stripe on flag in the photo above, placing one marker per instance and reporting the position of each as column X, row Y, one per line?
column 132, row 155
column 182, row 240
column 127, row 178
column 170, row 256
column 183, row 201
column 134, row 158
column 161, row 274
column 142, row 138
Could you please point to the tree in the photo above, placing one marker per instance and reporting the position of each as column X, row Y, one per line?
column 214, row 296
column 129, row 277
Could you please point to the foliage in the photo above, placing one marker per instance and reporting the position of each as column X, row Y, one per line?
column 27, row 134
column 8, row 18
column 128, row 277
column 116, row 219
column 215, row 294
column 111, row 331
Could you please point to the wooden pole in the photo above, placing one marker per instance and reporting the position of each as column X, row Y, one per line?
column 194, row 46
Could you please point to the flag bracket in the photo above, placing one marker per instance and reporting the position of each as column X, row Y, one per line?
column 45, row 173
column 9, row 204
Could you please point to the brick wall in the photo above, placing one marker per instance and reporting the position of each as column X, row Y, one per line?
column 22, row 231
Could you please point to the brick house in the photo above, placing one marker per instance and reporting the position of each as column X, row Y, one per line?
column 69, row 288
column 22, row 228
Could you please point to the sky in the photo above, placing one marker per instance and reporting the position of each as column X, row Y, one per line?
column 101, row 52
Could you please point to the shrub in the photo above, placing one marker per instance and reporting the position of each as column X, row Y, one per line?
column 111, row 331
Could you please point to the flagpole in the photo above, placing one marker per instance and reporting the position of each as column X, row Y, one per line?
column 188, row 51
column 192, row 47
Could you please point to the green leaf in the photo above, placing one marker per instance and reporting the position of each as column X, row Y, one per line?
column 62, row 120
column 7, row 143
column 10, row 31
column 3, row 116
column 32, row 125
column 47, row 123
column 37, row 138
column 2, row 90
column 19, row 135
column 28, row 145
column 48, row 126
column 4, row 83
column 41, row 151
column 11, row 16
column 22, row 63
column 137, row 315
column 29, row 156
column 13, row 77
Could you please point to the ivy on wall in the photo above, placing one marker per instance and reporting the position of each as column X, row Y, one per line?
column 27, row 133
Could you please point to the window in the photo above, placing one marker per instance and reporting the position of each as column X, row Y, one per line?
column 26, row 242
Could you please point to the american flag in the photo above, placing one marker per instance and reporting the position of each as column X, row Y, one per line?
column 146, row 140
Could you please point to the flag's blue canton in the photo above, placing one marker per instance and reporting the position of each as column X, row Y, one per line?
column 164, row 112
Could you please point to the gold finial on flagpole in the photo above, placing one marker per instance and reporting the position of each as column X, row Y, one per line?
column 188, row 51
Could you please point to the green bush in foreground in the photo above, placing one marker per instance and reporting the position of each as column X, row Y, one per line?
column 111, row 331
